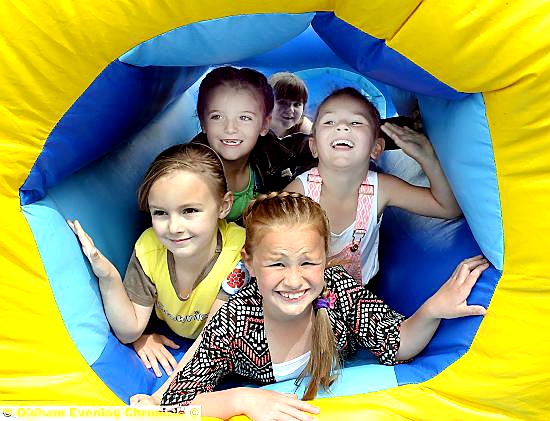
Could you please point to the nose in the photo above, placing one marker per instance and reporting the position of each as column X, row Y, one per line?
column 230, row 126
column 175, row 225
column 293, row 278
column 342, row 126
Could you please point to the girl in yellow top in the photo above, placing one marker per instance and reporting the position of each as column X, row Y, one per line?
column 185, row 266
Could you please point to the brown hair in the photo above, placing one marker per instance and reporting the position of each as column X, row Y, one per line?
column 372, row 112
column 266, row 213
column 287, row 85
column 244, row 78
column 192, row 157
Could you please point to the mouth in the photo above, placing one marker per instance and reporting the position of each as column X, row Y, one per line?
column 231, row 142
column 342, row 144
column 294, row 296
column 179, row 241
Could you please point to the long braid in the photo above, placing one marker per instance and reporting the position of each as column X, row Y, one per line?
column 274, row 209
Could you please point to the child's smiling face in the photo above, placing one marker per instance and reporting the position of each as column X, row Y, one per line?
column 233, row 120
column 289, row 263
column 185, row 212
column 287, row 113
column 344, row 133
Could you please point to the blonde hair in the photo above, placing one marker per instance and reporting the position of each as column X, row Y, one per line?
column 265, row 214
column 192, row 157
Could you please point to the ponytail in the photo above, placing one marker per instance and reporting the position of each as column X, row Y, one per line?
column 324, row 362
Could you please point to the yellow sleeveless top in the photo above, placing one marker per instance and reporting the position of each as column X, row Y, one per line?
column 187, row 318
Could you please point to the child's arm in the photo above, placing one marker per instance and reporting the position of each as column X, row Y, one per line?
column 221, row 299
column 257, row 404
column 213, row 359
column 127, row 319
column 438, row 200
column 448, row 302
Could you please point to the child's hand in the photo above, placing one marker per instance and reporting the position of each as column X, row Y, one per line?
column 152, row 350
column 267, row 405
column 414, row 144
column 144, row 400
column 449, row 301
column 101, row 266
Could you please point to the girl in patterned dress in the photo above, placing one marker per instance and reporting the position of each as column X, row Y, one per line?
column 345, row 136
column 299, row 318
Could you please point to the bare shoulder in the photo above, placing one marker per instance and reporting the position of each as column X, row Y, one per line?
column 295, row 186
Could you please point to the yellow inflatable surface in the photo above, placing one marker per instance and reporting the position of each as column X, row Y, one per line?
column 52, row 51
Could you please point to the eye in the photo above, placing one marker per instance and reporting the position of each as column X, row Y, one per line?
column 215, row 117
column 297, row 104
column 275, row 265
column 310, row 264
column 356, row 123
column 246, row 118
column 157, row 212
column 188, row 211
column 328, row 123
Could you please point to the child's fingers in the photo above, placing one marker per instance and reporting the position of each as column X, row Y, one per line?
column 155, row 367
column 134, row 400
column 142, row 399
column 167, row 360
column 168, row 342
column 471, row 278
column 299, row 410
column 464, row 268
column 475, row 310
column 144, row 358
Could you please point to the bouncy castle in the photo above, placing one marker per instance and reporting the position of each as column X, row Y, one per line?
column 92, row 91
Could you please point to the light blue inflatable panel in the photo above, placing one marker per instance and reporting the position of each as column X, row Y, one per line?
column 103, row 197
column 73, row 284
column 461, row 137
column 323, row 81
column 214, row 42
column 305, row 51
column 362, row 374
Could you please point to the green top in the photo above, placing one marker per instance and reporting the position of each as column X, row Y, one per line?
column 241, row 199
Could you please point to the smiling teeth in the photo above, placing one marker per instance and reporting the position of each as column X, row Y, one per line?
column 342, row 142
column 292, row 296
column 231, row 142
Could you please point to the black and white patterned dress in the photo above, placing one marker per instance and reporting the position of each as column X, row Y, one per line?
column 234, row 341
